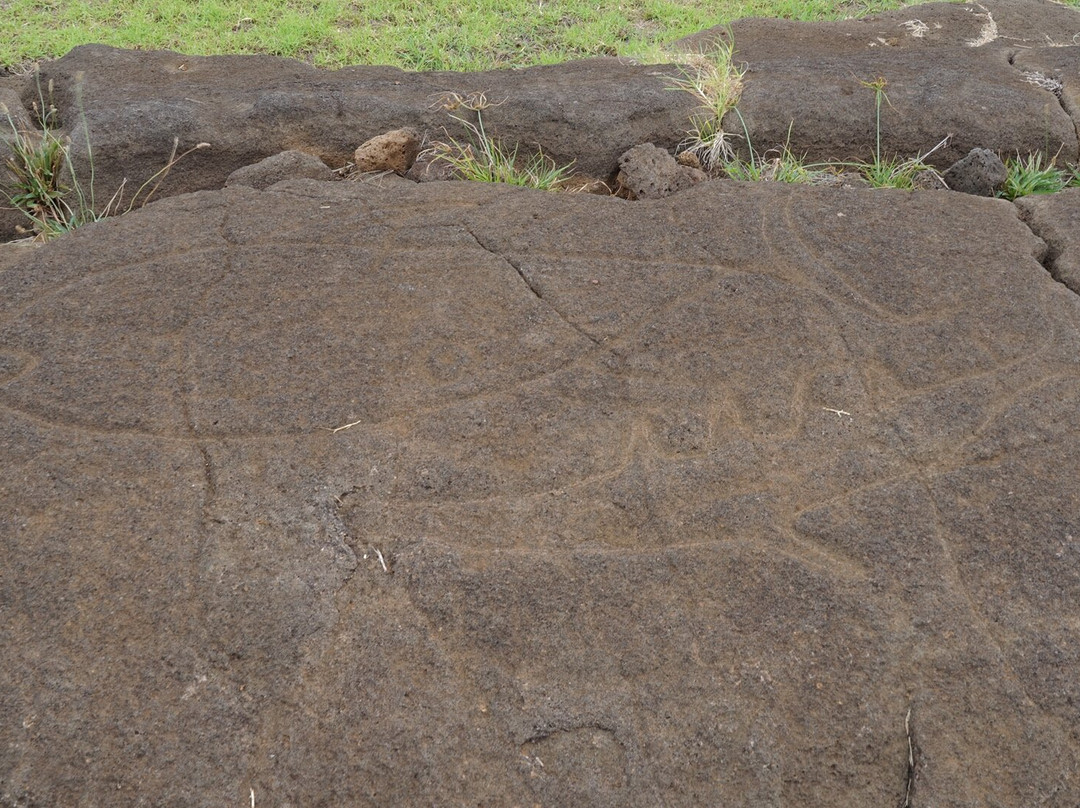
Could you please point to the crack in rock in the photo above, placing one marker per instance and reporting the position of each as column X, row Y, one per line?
column 1053, row 250
column 532, row 288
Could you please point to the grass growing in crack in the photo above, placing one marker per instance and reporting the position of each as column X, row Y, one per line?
column 1029, row 176
column 36, row 166
column 715, row 81
column 45, row 185
column 485, row 159
column 889, row 172
column 783, row 167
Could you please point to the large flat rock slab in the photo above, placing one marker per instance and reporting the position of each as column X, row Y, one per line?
column 387, row 494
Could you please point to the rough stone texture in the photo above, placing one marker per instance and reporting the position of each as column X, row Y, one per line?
column 981, row 173
column 1008, row 25
column 393, row 151
column 250, row 107
column 288, row 165
column 968, row 71
column 1053, row 66
column 928, row 180
column 832, row 117
column 1056, row 219
column 940, row 81
column 649, row 172
column 12, row 112
column 430, row 167
column 681, row 502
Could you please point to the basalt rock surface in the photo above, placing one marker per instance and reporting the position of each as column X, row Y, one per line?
column 385, row 493
column 391, row 493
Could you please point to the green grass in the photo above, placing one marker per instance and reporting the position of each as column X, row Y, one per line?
column 1028, row 176
column 436, row 35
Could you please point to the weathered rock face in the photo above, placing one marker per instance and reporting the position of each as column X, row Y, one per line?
column 398, row 494
column 248, row 108
column 948, row 72
column 996, row 75
column 1056, row 218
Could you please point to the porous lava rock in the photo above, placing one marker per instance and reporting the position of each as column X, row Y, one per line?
column 388, row 493
column 392, row 151
column 981, row 173
column 649, row 172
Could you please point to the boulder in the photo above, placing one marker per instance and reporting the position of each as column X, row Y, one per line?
column 981, row 173
column 932, row 107
column 431, row 165
column 393, row 151
column 387, row 493
column 288, row 165
column 649, row 172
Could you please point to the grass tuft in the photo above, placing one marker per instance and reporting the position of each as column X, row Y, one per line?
column 1029, row 176
column 45, row 186
column 716, row 82
column 485, row 159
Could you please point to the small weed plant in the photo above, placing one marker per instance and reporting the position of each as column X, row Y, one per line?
column 716, row 81
column 485, row 159
column 784, row 166
column 891, row 172
column 44, row 184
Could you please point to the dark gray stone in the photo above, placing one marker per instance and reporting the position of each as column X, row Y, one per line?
column 1056, row 69
column 431, row 165
column 946, row 67
column 135, row 103
column 946, row 93
column 981, row 173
